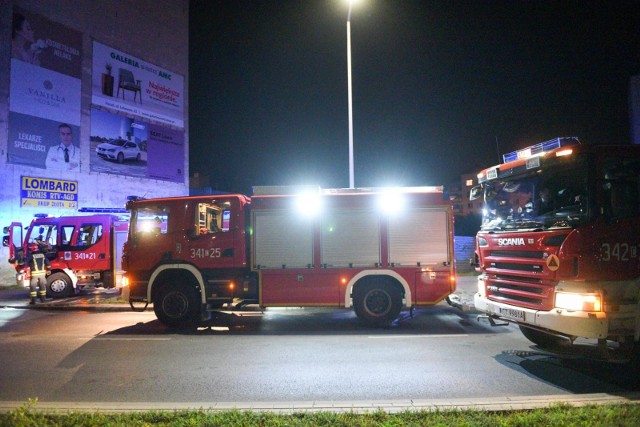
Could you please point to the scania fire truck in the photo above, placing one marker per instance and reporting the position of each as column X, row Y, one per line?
column 82, row 250
column 375, row 250
column 559, row 246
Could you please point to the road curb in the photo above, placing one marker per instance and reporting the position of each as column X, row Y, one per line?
column 73, row 307
column 499, row 403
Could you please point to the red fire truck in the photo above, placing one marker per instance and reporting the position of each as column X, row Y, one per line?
column 559, row 246
column 375, row 250
column 82, row 250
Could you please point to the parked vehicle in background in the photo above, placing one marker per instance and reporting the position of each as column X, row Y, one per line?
column 82, row 250
column 375, row 250
column 119, row 150
column 559, row 247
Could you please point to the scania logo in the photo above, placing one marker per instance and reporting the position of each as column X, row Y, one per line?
column 514, row 241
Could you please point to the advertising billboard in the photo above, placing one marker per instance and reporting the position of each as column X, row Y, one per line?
column 45, row 92
column 123, row 145
column 127, row 84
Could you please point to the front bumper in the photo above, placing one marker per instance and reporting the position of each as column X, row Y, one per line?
column 561, row 321
column 107, row 156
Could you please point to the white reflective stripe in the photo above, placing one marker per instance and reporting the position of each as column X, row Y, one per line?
column 354, row 279
column 193, row 270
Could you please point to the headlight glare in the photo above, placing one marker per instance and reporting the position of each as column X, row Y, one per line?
column 578, row 302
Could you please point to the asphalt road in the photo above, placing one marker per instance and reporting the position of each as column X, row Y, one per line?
column 282, row 355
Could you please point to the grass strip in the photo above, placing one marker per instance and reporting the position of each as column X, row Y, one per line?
column 556, row 415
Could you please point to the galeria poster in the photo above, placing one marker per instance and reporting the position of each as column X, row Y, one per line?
column 127, row 84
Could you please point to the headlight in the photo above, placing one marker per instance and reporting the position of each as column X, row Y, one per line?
column 578, row 302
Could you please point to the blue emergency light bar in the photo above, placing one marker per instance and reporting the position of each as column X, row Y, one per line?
column 539, row 148
column 103, row 210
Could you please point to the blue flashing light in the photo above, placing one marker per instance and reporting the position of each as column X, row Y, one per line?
column 540, row 148
column 103, row 210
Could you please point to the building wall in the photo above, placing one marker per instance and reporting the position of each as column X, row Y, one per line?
column 155, row 31
column 459, row 194
column 464, row 250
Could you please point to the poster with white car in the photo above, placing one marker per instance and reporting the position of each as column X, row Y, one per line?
column 126, row 146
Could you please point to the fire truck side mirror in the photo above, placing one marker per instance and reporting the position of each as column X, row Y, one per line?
column 5, row 240
column 5, row 230
column 475, row 193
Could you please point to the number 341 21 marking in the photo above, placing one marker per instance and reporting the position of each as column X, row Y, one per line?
column 206, row 253
column 618, row 252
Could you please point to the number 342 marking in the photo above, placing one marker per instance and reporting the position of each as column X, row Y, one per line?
column 618, row 252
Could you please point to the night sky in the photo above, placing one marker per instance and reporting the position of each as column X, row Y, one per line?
column 438, row 86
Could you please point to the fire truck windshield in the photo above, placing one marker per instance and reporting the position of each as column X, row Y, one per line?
column 149, row 221
column 555, row 196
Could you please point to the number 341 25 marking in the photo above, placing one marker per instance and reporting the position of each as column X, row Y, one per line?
column 618, row 252
column 206, row 253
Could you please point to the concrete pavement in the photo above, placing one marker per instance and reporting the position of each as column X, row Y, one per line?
column 89, row 299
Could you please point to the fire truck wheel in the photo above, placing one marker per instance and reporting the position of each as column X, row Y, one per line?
column 176, row 306
column 377, row 304
column 542, row 339
column 59, row 285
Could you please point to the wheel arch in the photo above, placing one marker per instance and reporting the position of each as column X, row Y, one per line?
column 181, row 270
column 361, row 278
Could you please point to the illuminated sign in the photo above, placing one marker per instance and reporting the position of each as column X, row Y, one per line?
column 48, row 193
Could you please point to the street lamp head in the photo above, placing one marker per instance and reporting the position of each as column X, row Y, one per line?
column 351, row 3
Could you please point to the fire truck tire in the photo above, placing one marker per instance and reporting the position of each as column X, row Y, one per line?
column 176, row 306
column 378, row 303
column 59, row 285
column 542, row 339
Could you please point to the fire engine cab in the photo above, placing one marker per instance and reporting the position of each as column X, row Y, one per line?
column 559, row 246
column 82, row 250
column 376, row 250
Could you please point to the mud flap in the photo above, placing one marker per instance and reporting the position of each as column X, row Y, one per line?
column 138, row 309
column 204, row 313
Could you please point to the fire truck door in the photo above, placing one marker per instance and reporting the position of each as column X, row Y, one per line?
column 213, row 242
column 14, row 239
column 617, row 241
column 89, row 249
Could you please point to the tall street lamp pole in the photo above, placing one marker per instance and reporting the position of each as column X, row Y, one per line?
column 351, row 175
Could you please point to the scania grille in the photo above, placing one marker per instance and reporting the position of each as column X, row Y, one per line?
column 533, row 268
column 519, row 278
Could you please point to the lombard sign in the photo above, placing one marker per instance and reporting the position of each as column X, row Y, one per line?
column 48, row 193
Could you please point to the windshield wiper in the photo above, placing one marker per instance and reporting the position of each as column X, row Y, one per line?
column 515, row 225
